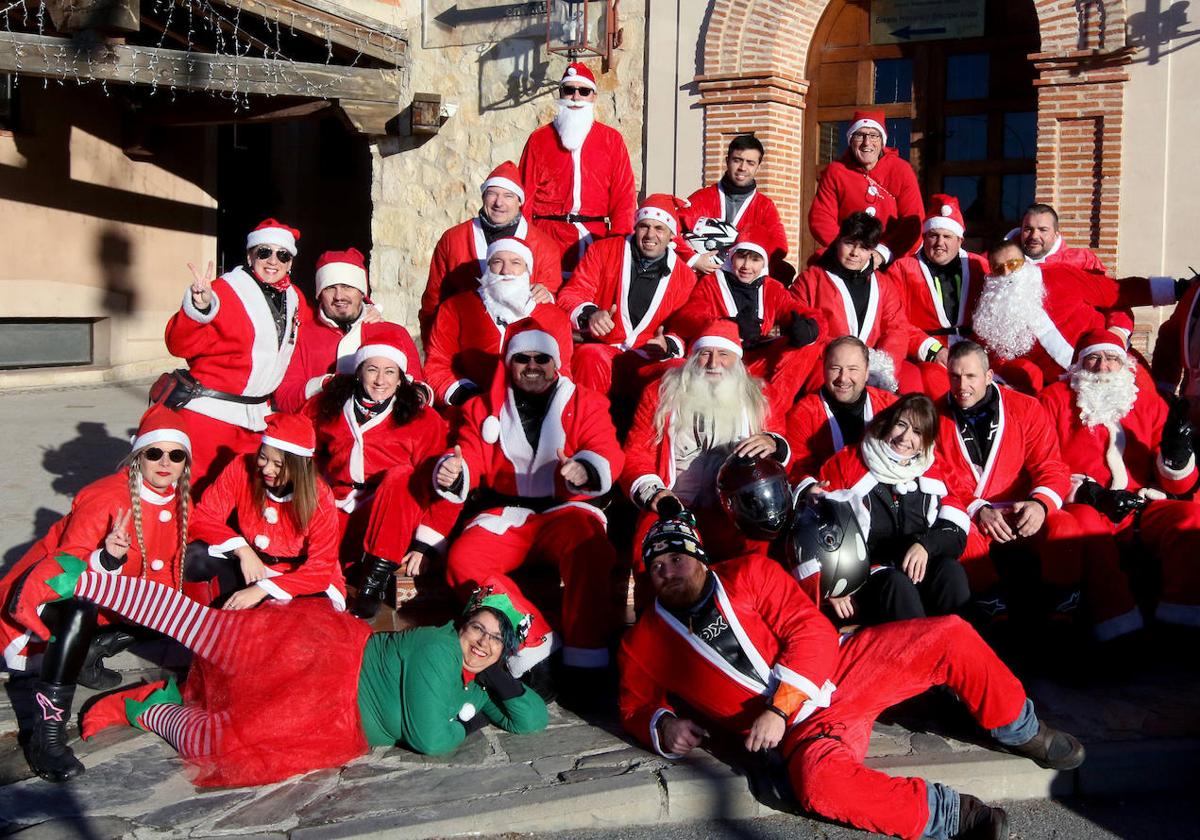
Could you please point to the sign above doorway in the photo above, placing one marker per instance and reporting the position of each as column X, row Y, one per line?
column 901, row 21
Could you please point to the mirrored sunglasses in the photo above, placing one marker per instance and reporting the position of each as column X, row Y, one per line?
column 264, row 253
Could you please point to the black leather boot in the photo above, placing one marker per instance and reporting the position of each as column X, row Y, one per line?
column 106, row 643
column 1051, row 748
column 977, row 821
column 375, row 575
column 47, row 750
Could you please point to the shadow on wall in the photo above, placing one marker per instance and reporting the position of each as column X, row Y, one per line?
column 114, row 253
column 91, row 455
column 512, row 73
column 1157, row 27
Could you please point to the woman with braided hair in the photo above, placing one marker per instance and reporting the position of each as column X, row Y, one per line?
column 133, row 523
column 300, row 687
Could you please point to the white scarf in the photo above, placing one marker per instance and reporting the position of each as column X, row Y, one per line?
column 889, row 468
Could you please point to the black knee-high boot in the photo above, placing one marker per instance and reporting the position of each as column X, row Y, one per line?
column 48, row 752
column 374, row 575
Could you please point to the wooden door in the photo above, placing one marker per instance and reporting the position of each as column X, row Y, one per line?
column 963, row 112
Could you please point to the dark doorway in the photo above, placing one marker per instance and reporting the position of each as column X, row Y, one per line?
column 312, row 174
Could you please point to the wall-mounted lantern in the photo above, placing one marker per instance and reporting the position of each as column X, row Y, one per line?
column 582, row 28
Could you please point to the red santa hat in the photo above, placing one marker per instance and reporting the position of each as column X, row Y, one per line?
column 577, row 73
column 662, row 207
column 506, row 177
column 513, row 245
column 721, row 334
column 273, row 232
column 343, row 268
column 868, row 119
column 162, row 425
column 943, row 213
column 385, row 339
column 534, row 335
column 1100, row 341
column 290, row 433
column 752, row 239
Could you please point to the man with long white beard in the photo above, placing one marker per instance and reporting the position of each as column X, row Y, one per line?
column 464, row 344
column 1127, row 450
column 460, row 256
column 1031, row 317
column 700, row 413
column 577, row 172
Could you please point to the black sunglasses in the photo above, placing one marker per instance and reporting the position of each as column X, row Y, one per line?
column 177, row 456
column 265, row 254
column 571, row 90
column 535, row 358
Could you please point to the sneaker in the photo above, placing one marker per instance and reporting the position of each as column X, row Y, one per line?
column 1051, row 748
column 977, row 821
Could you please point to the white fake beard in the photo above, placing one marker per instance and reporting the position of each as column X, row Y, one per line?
column 573, row 122
column 724, row 402
column 1007, row 309
column 1104, row 398
column 506, row 297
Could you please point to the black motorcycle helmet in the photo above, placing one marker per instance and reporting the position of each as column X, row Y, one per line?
column 756, row 495
column 826, row 532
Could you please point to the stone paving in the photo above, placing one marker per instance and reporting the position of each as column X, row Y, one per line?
column 1139, row 723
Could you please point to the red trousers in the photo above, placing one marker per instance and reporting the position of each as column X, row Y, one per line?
column 214, row 444
column 1170, row 529
column 1056, row 544
column 385, row 523
column 877, row 668
column 608, row 369
column 571, row 537
column 935, row 380
column 787, row 371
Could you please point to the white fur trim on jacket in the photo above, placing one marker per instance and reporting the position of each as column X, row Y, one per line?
column 190, row 310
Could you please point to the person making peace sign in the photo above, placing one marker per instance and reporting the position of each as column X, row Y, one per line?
column 131, row 523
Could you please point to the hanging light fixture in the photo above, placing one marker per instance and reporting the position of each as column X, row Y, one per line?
column 582, row 28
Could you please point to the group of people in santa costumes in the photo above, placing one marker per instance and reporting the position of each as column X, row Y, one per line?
column 586, row 364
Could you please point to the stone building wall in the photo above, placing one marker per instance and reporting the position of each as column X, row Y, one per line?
column 502, row 91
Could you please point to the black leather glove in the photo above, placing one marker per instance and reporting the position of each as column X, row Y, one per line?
column 1115, row 504
column 498, row 682
column 464, row 393
column 802, row 331
column 477, row 722
column 1177, row 446
column 669, row 507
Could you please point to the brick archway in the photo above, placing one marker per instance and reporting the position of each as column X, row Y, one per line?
column 753, row 78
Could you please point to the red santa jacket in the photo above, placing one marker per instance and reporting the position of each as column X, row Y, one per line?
column 325, row 349
column 498, row 456
column 594, row 180
column 884, row 326
column 651, row 460
column 792, row 647
column 923, row 302
column 1060, row 253
column 814, row 435
column 1075, row 304
column 458, row 263
column 889, row 192
column 602, row 280
column 353, row 457
column 309, row 557
column 1024, row 461
column 712, row 299
column 1084, row 448
column 757, row 211
column 82, row 532
column 1177, row 352
column 463, row 348
column 234, row 347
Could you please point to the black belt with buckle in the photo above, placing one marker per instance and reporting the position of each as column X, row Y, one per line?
column 572, row 218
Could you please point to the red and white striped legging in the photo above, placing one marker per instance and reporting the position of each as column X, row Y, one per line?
column 191, row 731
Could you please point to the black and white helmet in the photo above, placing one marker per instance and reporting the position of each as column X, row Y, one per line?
column 711, row 235
column 826, row 532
